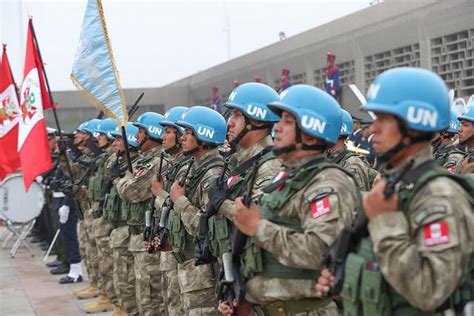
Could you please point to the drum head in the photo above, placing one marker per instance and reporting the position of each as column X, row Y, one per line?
column 16, row 204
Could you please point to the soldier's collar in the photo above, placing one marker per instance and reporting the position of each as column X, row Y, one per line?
column 297, row 163
column 419, row 158
column 208, row 154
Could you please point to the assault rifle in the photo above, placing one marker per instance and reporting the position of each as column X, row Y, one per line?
column 232, row 284
column 149, row 232
column 165, row 212
column 202, row 249
column 349, row 237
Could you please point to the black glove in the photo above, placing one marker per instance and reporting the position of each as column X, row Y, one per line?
column 217, row 193
column 90, row 143
column 115, row 171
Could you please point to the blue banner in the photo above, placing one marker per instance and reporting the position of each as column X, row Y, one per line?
column 94, row 72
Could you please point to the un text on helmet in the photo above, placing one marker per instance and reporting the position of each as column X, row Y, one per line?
column 206, row 132
column 422, row 116
column 313, row 123
column 256, row 111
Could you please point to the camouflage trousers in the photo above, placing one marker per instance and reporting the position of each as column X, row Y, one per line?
column 328, row 310
column 102, row 230
column 92, row 264
column 148, row 278
column 169, row 279
column 123, row 271
column 196, row 285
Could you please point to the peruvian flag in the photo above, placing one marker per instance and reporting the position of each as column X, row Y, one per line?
column 33, row 144
column 9, row 110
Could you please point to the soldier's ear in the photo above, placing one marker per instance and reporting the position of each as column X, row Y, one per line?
column 310, row 140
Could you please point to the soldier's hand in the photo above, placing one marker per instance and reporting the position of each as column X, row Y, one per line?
column 246, row 219
column 156, row 185
column 177, row 191
column 375, row 203
column 217, row 194
column 324, row 283
column 148, row 245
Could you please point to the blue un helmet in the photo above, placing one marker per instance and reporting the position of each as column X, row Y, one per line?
column 107, row 126
column 317, row 113
column 346, row 127
column 252, row 100
column 208, row 125
column 150, row 122
column 130, row 130
column 468, row 115
column 172, row 116
column 81, row 126
column 91, row 127
column 418, row 97
column 454, row 123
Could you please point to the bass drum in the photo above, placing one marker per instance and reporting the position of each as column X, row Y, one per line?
column 18, row 205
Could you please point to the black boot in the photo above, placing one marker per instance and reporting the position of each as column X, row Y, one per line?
column 60, row 269
column 67, row 279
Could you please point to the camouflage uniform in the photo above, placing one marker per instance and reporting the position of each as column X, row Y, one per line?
column 448, row 156
column 266, row 172
column 86, row 243
column 123, row 270
column 102, row 228
column 136, row 190
column 414, row 258
column 301, row 216
column 355, row 165
column 196, row 283
column 168, row 265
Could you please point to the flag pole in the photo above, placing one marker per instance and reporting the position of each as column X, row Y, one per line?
column 11, row 73
column 68, row 163
column 127, row 152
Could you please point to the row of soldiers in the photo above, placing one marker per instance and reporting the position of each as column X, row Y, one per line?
column 220, row 217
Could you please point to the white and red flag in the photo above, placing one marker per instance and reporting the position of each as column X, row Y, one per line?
column 9, row 111
column 33, row 144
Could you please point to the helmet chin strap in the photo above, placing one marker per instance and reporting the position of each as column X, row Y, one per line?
column 145, row 139
column 277, row 151
column 173, row 150
column 248, row 127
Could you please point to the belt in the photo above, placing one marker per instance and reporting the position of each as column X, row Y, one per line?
column 291, row 307
column 135, row 230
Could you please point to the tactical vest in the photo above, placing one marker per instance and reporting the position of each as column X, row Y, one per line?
column 135, row 212
column 220, row 228
column 255, row 260
column 178, row 236
column 365, row 291
column 441, row 156
column 112, row 208
column 346, row 154
column 96, row 181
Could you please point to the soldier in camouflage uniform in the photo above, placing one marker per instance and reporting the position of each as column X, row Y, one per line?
column 205, row 129
column 100, row 227
column 448, row 155
column 135, row 190
column 160, row 187
column 79, row 167
column 249, row 127
column 116, row 211
column 301, row 213
column 350, row 161
column 466, row 138
column 415, row 257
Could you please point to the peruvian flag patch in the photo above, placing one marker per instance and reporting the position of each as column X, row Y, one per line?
column 436, row 234
column 452, row 169
column 320, row 207
column 231, row 181
column 281, row 175
column 138, row 172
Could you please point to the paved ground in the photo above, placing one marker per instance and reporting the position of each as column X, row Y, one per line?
column 27, row 288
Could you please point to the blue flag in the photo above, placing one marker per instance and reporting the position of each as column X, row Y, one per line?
column 94, row 72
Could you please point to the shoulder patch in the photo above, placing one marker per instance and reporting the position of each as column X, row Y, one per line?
column 431, row 210
column 259, row 182
column 320, row 207
column 320, row 192
column 436, row 233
